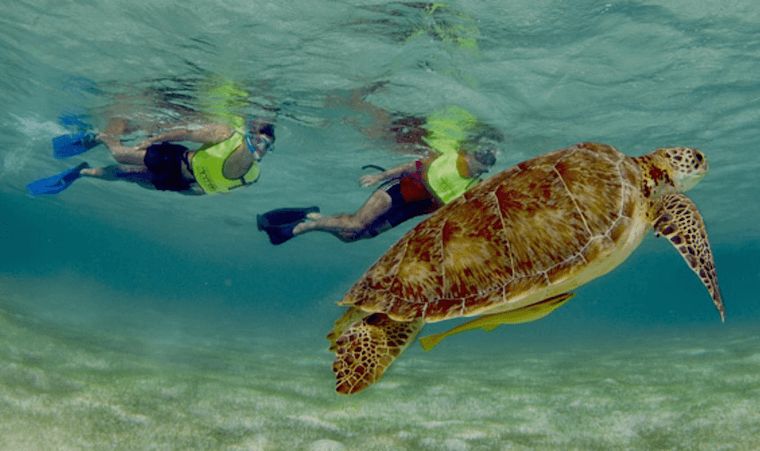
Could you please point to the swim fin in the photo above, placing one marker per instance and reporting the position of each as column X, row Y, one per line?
column 279, row 223
column 66, row 146
column 55, row 183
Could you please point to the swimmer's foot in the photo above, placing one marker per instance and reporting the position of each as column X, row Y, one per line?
column 91, row 172
column 109, row 173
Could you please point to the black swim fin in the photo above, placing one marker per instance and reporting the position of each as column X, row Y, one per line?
column 279, row 223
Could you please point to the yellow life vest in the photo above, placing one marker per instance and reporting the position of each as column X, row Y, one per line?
column 208, row 166
column 447, row 129
column 444, row 180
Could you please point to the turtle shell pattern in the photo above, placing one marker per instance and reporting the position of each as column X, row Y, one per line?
column 524, row 234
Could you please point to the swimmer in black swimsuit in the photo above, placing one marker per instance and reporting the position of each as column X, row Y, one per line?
column 158, row 164
column 404, row 195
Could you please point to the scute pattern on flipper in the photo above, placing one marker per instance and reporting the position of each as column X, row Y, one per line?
column 679, row 220
column 366, row 347
column 351, row 316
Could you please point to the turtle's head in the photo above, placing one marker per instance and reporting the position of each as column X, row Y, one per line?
column 688, row 166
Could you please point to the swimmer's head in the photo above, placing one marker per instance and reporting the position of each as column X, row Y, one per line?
column 257, row 125
column 485, row 157
column 479, row 162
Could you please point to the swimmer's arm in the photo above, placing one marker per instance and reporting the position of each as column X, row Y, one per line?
column 207, row 134
column 397, row 172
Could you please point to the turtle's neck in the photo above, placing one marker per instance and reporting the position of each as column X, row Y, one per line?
column 656, row 174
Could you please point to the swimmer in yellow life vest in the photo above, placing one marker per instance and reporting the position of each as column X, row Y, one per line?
column 456, row 159
column 227, row 159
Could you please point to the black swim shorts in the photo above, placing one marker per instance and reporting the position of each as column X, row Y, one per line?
column 164, row 160
column 402, row 210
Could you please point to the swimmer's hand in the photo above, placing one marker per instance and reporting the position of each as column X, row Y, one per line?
column 371, row 179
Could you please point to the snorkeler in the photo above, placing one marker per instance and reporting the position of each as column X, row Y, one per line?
column 227, row 159
column 455, row 160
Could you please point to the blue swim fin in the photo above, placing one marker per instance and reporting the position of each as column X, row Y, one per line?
column 66, row 146
column 55, row 183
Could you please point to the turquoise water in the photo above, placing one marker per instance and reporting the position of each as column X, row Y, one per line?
column 132, row 319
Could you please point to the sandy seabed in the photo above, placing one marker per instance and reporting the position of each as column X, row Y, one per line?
column 67, row 389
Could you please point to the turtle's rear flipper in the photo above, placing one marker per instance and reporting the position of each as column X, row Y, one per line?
column 366, row 347
column 678, row 220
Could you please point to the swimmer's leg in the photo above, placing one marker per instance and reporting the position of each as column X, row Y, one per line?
column 121, row 153
column 134, row 174
column 349, row 228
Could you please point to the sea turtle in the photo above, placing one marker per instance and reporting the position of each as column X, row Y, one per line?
column 530, row 233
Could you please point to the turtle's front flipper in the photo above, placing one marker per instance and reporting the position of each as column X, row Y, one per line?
column 365, row 348
column 677, row 218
